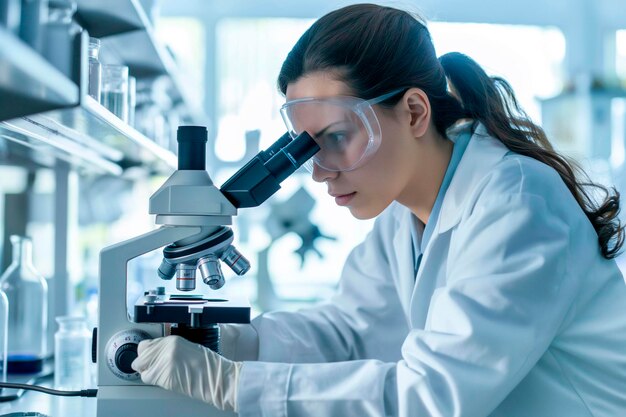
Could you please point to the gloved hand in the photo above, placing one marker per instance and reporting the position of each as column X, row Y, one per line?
column 176, row 364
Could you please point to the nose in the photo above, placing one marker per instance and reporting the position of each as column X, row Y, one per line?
column 322, row 175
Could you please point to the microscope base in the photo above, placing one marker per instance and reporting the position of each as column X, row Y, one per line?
column 142, row 400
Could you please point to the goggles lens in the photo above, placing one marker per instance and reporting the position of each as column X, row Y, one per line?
column 345, row 128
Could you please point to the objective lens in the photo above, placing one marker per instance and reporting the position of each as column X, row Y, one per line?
column 185, row 277
column 166, row 270
column 237, row 262
column 211, row 271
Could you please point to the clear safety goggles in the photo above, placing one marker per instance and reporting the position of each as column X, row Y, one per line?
column 346, row 128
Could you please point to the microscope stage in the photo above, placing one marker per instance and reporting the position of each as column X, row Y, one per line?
column 191, row 309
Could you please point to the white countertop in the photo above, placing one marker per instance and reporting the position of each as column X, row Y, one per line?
column 50, row 405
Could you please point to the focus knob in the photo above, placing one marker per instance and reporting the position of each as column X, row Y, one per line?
column 125, row 355
column 121, row 351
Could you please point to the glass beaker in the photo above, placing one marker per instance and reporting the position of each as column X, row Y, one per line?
column 4, row 324
column 59, row 46
column 132, row 100
column 72, row 354
column 27, row 294
column 114, row 94
column 95, row 69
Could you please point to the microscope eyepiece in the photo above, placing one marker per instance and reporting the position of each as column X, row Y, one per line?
column 275, row 147
column 260, row 178
column 292, row 156
column 192, row 147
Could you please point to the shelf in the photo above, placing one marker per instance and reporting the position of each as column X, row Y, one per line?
column 148, row 58
column 43, row 110
column 28, row 83
column 91, row 137
column 126, row 32
column 110, row 17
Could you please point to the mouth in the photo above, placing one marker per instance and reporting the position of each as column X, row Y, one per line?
column 344, row 199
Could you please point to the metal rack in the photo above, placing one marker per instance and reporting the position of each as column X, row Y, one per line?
column 43, row 110
column 46, row 120
column 122, row 23
column 28, row 83
column 90, row 137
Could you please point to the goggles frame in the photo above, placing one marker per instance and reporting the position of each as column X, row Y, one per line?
column 364, row 111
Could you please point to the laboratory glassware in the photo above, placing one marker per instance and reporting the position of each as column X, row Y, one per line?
column 4, row 324
column 59, row 45
column 114, row 94
column 95, row 69
column 27, row 294
column 33, row 14
column 132, row 100
column 72, row 354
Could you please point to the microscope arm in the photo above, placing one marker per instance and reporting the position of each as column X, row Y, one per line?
column 113, row 273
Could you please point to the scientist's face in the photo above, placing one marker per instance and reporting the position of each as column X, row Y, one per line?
column 387, row 174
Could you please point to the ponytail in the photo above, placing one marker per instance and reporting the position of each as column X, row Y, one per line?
column 491, row 101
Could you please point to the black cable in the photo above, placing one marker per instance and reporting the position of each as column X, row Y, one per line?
column 81, row 393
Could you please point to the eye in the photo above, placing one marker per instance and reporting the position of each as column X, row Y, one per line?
column 334, row 141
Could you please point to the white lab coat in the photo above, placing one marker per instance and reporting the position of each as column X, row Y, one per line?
column 513, row 312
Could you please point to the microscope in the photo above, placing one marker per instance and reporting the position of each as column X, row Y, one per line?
column 195, row 217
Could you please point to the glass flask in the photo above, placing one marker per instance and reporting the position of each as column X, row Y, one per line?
column 27, row 294
column 114, row 94
column 95, row 69
column 4, row 324
column 72, row 354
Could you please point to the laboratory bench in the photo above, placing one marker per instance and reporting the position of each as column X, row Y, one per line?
column 50, row 405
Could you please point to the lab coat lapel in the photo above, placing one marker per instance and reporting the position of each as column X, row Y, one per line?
column 403, row 248
column 482, row 154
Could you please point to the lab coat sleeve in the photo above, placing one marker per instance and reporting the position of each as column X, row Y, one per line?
column 505, row 299
column 349, row 326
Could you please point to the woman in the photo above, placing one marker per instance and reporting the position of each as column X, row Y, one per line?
column 487, row 286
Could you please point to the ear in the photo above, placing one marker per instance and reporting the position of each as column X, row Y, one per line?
column 417, row 105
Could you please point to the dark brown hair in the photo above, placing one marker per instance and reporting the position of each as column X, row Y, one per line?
column 377, row 49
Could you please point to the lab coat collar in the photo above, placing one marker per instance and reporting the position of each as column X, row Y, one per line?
column 482, row 154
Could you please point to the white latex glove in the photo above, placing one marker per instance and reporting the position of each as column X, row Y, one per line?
column 178, row 365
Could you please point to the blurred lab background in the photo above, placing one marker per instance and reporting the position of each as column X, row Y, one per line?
column 92, row 91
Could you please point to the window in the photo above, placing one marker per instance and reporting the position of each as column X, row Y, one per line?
column 530, row 58
column 249, row 55
column 620, row 55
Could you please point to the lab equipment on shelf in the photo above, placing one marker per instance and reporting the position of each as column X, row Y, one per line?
column 72, row 354
column 33, row 15
column 27, row 294
column 132, row 100
column 95, row 69
column 114, row 94
column 4, row 324
column 61, row 46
